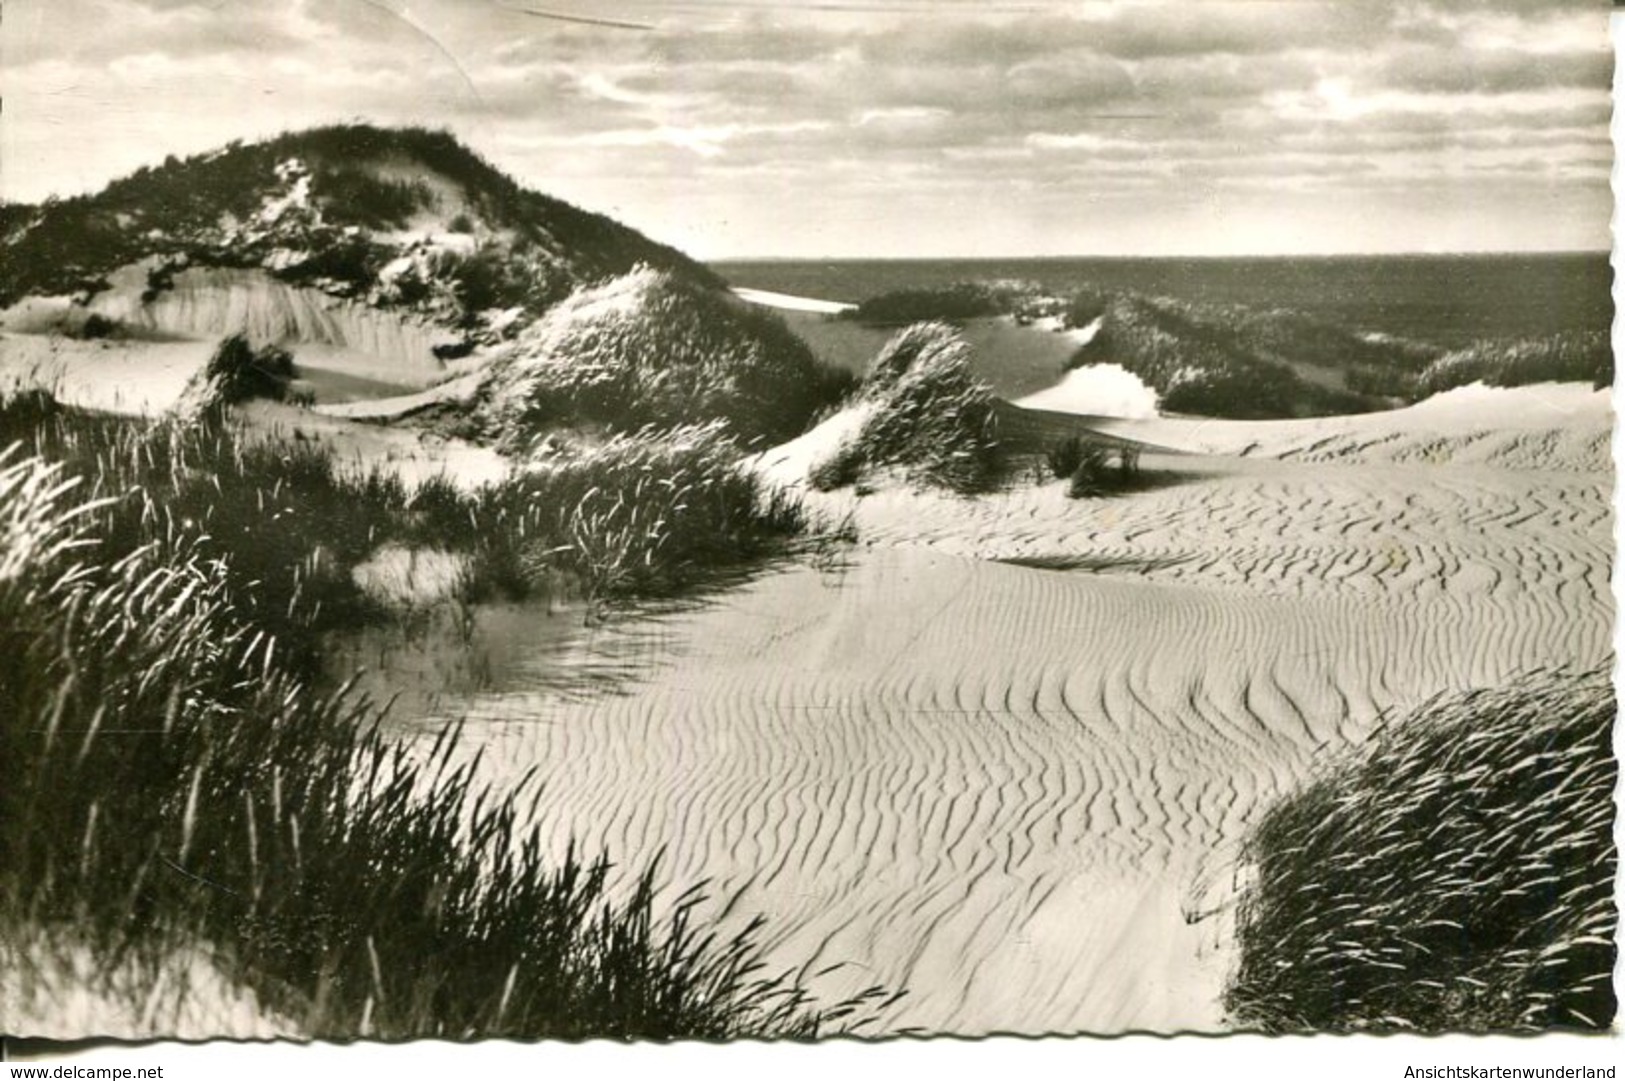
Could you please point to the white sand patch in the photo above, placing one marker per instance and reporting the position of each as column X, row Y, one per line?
column 1105, row 390
column 58, row 993
column 1533, row 406
column 458, row 391
column 1085, row 335
column 135, row 378
column 788, row 463
column 792, row 303
column 1081, row 336
column 211, row 303
column 1488, row 419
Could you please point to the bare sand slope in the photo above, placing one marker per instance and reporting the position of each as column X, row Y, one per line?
column 214, row 302
column 345, row 350
column 1551, row 425
column 1016, row 791
column 139, row 378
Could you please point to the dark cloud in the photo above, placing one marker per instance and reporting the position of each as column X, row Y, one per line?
column 1492, row 71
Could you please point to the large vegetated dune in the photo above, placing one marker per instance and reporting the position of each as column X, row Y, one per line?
column 1016, row 790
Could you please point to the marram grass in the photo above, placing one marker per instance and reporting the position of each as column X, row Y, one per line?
column 932, row 418
column 176, row 789
column 644, row 513
column 1456, row 873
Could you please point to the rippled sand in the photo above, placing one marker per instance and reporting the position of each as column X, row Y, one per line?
column 1015, row 788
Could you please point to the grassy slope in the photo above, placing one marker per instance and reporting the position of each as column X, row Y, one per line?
column 650, row 348
column 1456, row 873
column 179, row 207
column 178, row 787
column 1572, row 357
column 930, row 416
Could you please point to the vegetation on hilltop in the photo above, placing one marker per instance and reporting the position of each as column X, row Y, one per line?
column 180, row 792
column 653, row 349
column 1225, row 362
column 318, row 207
column 953, row 303
column 1455, row 873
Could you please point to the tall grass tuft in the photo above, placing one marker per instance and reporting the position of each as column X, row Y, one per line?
column 1454, row 874
column 645, row 513
column 931, row 416
column 174, row 791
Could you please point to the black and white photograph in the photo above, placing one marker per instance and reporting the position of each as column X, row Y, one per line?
column 720, row 520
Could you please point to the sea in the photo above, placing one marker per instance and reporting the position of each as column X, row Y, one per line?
column 1445, row 299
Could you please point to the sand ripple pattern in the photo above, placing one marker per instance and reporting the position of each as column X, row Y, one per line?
column 1016, row 790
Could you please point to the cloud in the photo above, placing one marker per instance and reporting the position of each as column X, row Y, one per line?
column 1164, row 103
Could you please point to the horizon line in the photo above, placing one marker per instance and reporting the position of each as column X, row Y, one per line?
column 1016, row 257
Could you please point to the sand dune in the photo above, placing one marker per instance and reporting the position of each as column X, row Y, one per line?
column 137, row 378
column 1016, row 790
column 1433, row 430
column 212, row 303
column 345, row 351
column 1103, row 389
column 786, row 302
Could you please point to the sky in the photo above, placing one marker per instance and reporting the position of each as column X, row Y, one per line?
column 903, row 128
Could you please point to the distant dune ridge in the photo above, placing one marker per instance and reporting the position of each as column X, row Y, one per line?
column 1205, row 358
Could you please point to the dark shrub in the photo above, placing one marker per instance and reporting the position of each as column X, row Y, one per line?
column 98, row 325
column 951, row 303
column 237, row 371
column 1065, row 457
column 1091, row 476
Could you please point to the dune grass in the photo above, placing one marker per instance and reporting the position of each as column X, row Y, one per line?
column 176, row 788
column 236, row 372
column 645, row 513
column 1454, row 874
column 932, row 417
column 1227, row 361
column 649, row 349
column 1572, row 357
column 649, row 513
column 1087, row 467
